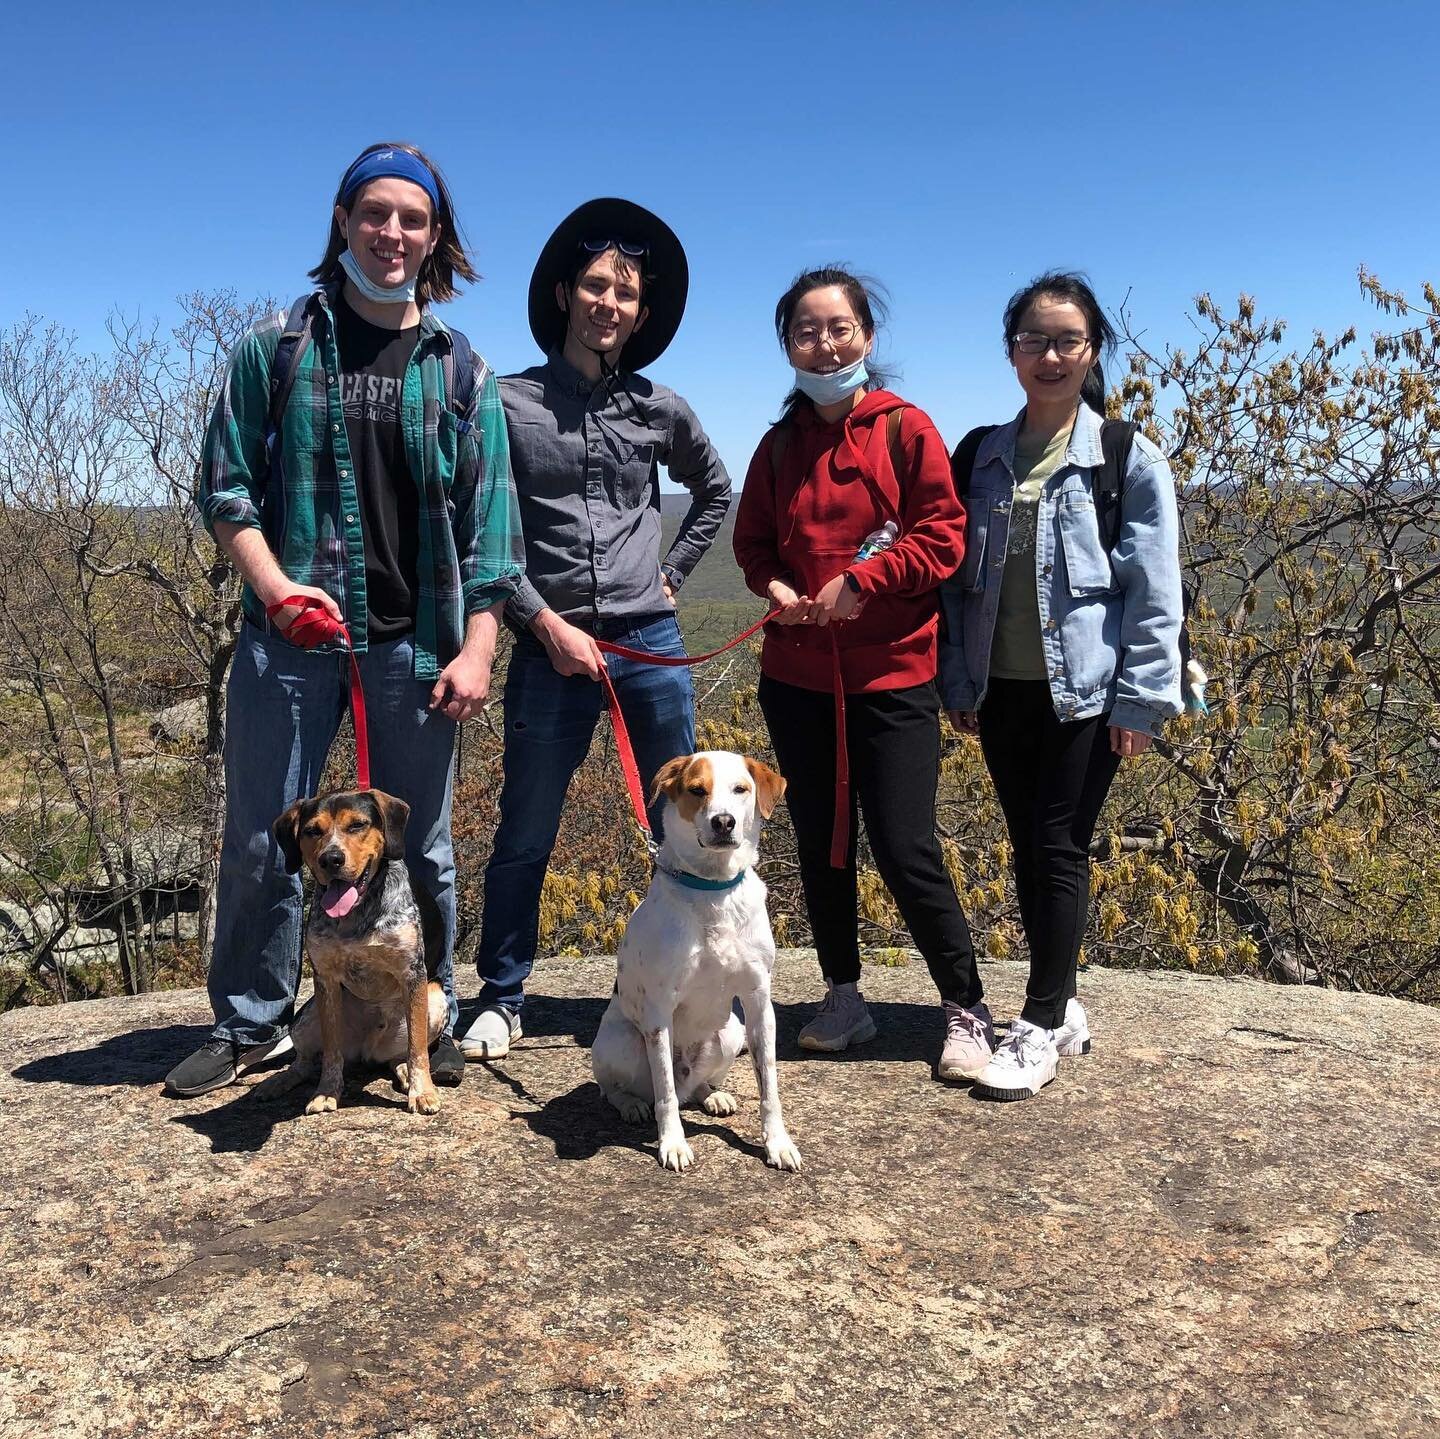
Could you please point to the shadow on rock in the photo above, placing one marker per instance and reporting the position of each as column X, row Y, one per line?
column 242, row 1125
column 581, row 1123
column 143, row 1056
column 905, row 1033
column 549, row 1018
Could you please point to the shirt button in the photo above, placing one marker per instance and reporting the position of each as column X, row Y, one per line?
column 329, row 378
column 336, row 428
column 349, row 519
column 1047, row 569
column 1055, row 673
column 344, row 474
column 1050, row 624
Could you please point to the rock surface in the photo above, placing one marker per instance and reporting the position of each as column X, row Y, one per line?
column 1222, row 1222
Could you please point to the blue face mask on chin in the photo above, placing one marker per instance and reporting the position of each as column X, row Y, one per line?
column 831, row 389
column 380, row 294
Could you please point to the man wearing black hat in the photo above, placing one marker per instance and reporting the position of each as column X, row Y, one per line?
column 587, row 437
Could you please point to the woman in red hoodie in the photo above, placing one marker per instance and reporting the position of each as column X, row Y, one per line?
column 850, row 651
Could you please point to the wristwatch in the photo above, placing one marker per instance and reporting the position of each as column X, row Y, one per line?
column 675, row 578
column 852, row 581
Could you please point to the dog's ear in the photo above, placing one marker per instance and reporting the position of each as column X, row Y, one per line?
column 286, row 830
column 394, row 816
column 670, row 777
column 769, row 786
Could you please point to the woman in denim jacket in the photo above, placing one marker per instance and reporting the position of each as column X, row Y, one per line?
column 1061, row 655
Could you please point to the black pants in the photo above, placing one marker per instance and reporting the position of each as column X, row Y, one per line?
column 1051, row 778
column 893, row 740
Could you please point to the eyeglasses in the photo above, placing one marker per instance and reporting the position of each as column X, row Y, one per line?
column 1036, row 342
column 626, row 247
column 838, row 332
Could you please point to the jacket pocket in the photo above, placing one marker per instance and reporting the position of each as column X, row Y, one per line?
column 1087, row 565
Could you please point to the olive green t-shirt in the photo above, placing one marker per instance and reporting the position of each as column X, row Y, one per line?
column 1016, row 652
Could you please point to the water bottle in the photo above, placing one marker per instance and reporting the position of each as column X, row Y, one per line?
column 882, row 539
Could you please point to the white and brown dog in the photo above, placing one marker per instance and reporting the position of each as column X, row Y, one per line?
column 700, row 940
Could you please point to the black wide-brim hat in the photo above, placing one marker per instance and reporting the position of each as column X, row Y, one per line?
column 664, row 292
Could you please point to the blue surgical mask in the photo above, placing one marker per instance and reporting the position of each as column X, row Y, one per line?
column 380, row 294
column 831, row 389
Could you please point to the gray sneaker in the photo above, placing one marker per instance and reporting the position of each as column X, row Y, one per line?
column 843, row 1020
column 969, row 1041
column 490, row 1035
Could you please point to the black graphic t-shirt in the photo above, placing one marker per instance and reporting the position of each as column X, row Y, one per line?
column 372, row 371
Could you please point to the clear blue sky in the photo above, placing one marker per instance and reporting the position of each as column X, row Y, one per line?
column 952, row 150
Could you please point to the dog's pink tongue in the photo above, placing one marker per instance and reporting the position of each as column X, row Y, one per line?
column 339, row 899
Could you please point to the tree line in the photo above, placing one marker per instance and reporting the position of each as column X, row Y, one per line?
column 1289, row 834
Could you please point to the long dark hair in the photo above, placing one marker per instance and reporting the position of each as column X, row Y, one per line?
column 1072, row 286
column 867, row 299
column 437, row 277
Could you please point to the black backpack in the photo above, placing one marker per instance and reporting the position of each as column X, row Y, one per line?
column 1117, row 439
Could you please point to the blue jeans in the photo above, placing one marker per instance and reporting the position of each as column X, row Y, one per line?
column 284, row 708
column 549, row 721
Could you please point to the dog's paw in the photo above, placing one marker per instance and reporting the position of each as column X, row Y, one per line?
column 323, row 1103
column 780, row 1152
column 402, row 1075
column 676, row 1154
column 423, row 1101
column 634, row 1111
column 719, row 1102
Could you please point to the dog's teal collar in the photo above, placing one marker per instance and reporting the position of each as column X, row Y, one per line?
column 694, row 881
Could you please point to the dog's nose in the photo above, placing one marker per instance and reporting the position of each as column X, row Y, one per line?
column 723, row 824
column 332, row 859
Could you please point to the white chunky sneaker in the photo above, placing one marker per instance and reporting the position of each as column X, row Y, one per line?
column 1072, row 1039
column 490, row 1035
column 969, row 1041
column 843, row 1020
column 1022, row 1066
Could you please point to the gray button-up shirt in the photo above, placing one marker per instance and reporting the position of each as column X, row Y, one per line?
column 586, row 463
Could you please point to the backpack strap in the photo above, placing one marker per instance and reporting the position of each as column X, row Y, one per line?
column 298, row 332
column 962, row 462
column 892, row 438
column 461, row 380
column 1117, row 439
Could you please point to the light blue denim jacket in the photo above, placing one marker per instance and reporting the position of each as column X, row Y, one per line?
column 1109, row 624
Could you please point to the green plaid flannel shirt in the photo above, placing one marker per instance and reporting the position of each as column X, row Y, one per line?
column 471, row 551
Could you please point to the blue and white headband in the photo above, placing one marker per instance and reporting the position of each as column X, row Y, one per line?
column 389, row 164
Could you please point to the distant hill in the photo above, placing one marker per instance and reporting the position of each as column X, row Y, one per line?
column 717, row 576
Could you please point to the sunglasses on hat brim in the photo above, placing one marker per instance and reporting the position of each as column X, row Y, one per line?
column 626, row 247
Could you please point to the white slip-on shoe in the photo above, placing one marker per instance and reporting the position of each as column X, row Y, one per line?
column 1072, row 1039
column 843, row 1020
column 490, row 1035
column 1021, row 1067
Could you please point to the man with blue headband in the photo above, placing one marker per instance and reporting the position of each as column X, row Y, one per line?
column 588, row 435
column 356, row 462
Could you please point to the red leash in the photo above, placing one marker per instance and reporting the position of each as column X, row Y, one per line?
column 623, row 746
column 840, row 828
column 315, row 626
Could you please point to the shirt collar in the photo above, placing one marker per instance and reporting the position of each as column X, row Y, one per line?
column 567, row 378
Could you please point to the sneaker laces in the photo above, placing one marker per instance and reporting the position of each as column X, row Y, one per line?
column 1020, row 1045
column 960, row 1021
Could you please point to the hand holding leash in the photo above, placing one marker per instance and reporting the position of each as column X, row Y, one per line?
column 299, row 603
column 571, row 650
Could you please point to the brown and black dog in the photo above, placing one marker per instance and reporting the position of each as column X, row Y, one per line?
column 374, row 940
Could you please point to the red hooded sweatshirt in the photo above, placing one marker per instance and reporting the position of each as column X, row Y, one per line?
column 836, row 486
